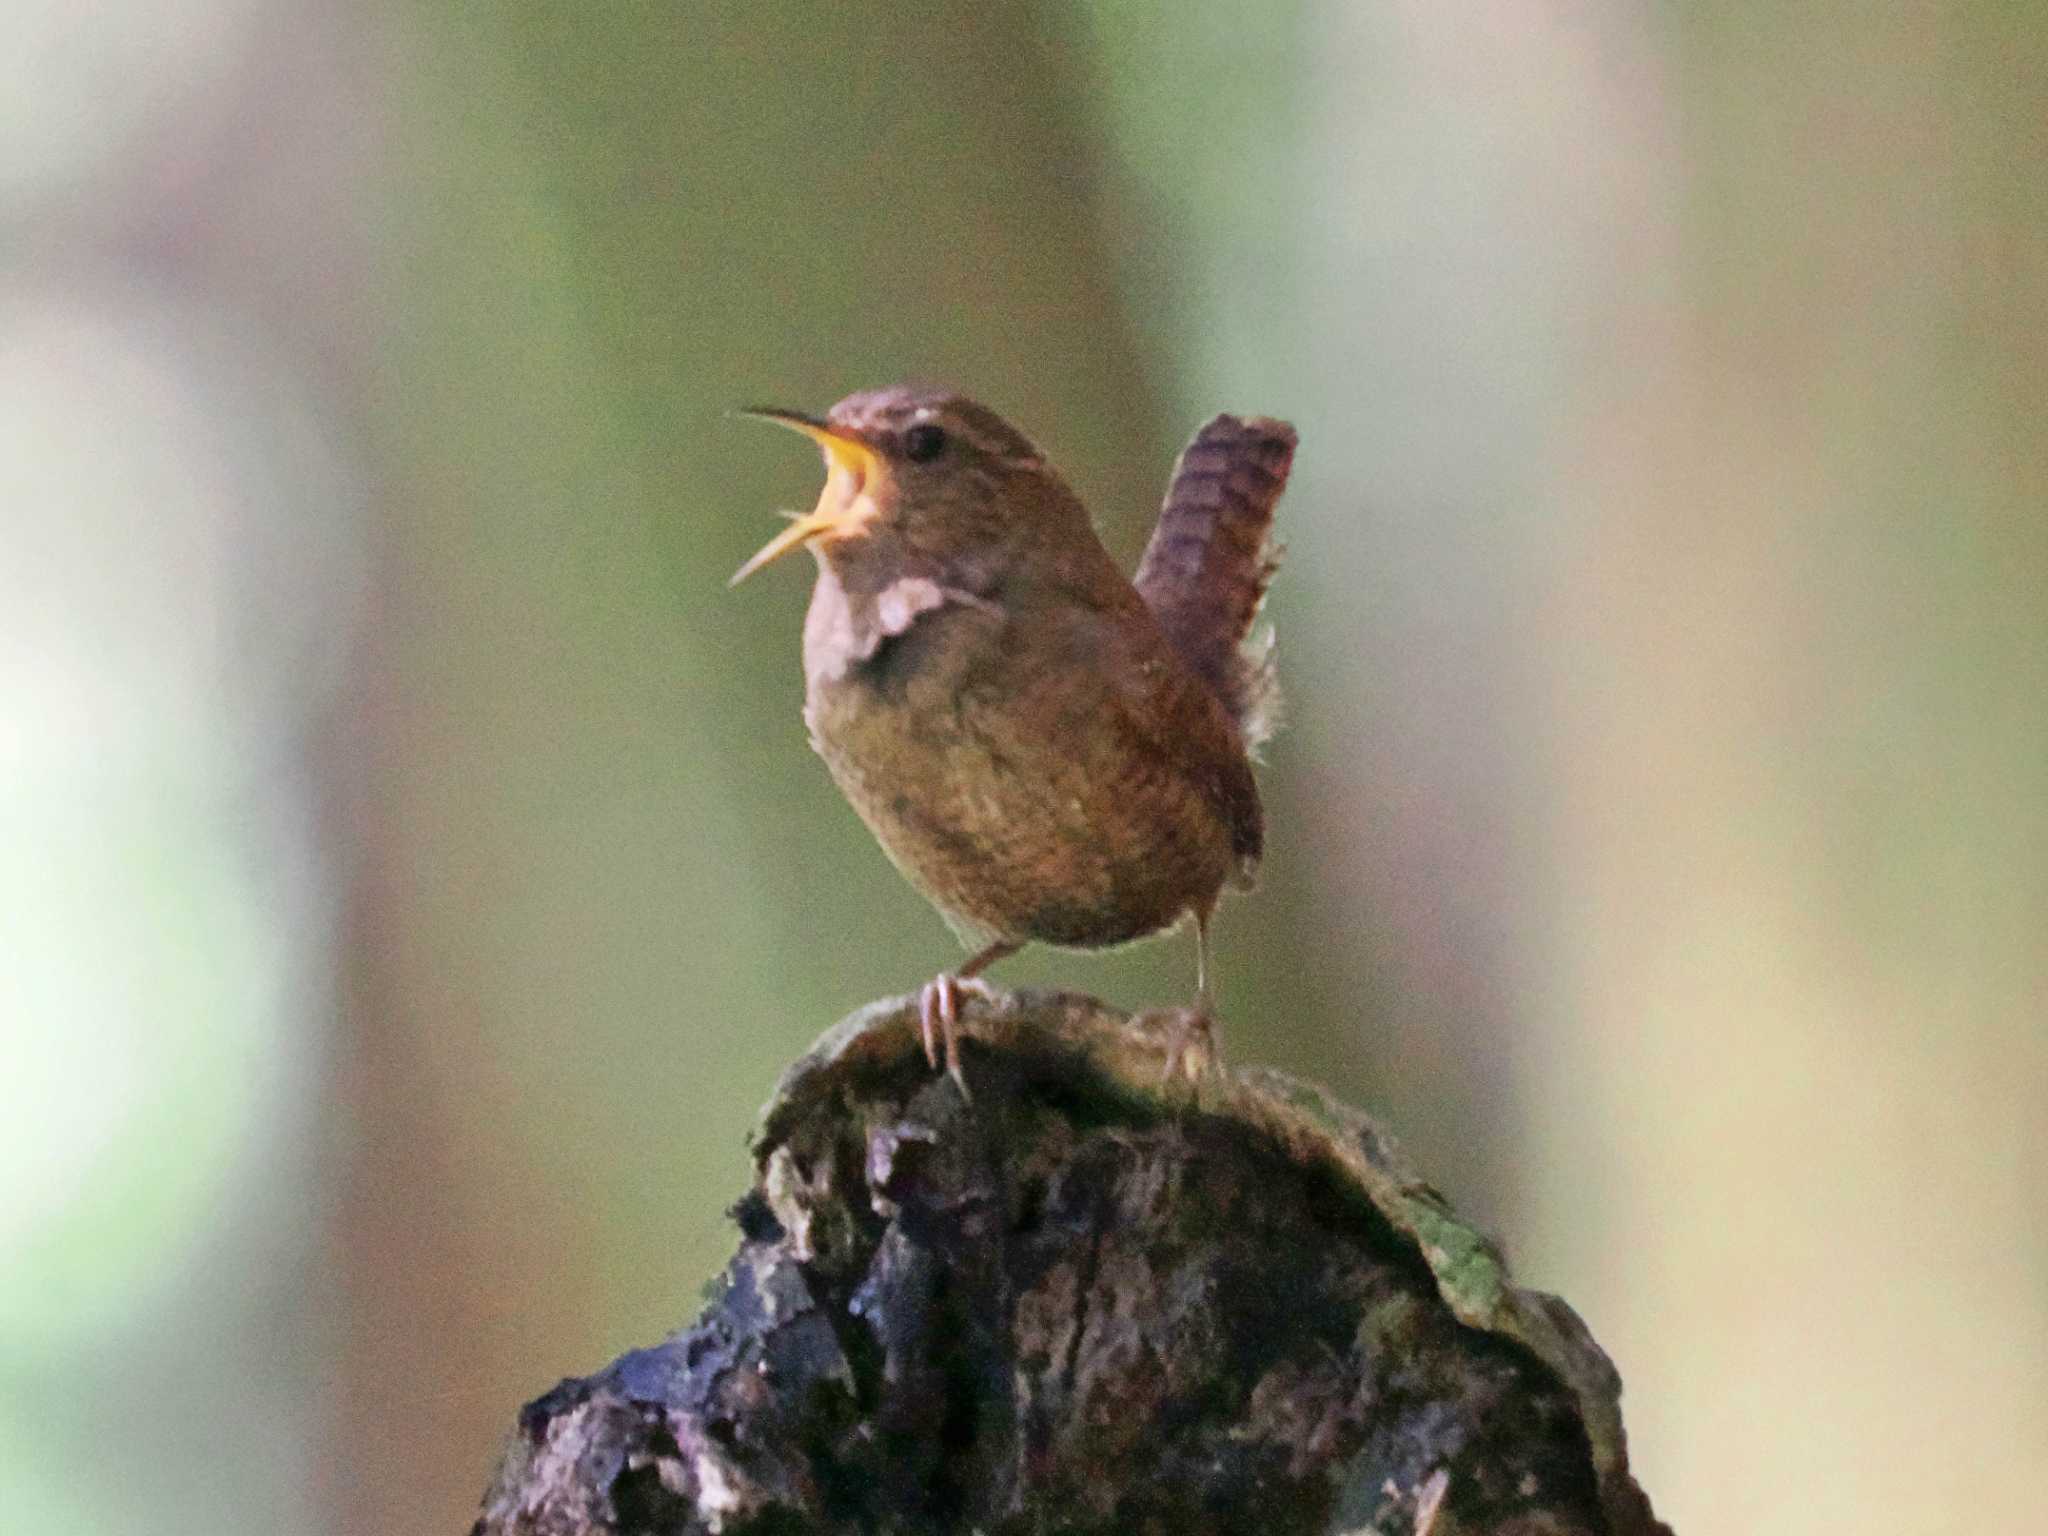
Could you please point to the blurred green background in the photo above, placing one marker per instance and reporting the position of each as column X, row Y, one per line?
column 412, row 873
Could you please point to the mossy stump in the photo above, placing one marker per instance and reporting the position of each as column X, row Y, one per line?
column 1090, row 1301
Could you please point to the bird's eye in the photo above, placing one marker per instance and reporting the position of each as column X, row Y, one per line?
column 924, row 442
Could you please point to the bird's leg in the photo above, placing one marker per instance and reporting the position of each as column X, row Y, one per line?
column 938, row 1007
column 1191, row 1031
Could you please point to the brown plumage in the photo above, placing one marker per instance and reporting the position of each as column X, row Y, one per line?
column 1205, row 570
column 1045, row 750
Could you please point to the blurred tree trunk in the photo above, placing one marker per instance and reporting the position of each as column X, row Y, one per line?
column 1799, row 653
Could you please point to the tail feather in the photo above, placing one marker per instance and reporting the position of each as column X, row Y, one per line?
column 1210, row 559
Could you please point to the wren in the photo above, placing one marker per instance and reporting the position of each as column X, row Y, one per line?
column 1048, row 750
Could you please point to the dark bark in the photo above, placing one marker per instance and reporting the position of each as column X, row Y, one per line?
column 1086, row 1302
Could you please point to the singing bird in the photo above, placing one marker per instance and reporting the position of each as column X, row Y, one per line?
column 1046, row 749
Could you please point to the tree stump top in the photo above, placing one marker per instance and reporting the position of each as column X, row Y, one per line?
column 1090, row 1300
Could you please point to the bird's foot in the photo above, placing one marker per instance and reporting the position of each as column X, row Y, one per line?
column 1187, row 1038
column 938, row 1019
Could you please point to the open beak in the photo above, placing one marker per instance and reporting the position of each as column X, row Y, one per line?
column 852, row 470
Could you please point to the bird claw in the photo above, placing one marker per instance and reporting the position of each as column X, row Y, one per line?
column 938, row 1020
column 931, row 999
column 1189, row 1045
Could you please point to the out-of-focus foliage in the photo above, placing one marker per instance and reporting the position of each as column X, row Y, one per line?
column 412, row 874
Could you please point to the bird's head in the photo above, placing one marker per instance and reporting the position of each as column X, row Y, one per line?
column 921, row 474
